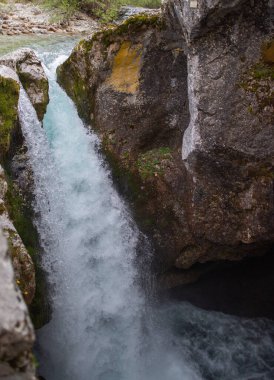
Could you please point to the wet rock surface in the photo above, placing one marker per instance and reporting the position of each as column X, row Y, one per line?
column 16, row 331
column 22, row 262
column 146, row 85
column 16, row 216
column 130, row 82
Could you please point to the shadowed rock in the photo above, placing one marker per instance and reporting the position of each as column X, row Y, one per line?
column 16, row 331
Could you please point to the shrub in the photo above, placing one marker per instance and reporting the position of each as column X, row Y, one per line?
column 106, row 10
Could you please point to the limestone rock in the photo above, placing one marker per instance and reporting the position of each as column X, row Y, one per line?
column 32, row 76
column 130, row 82
column 202, row 75
column 16, row 331
column 229, row 144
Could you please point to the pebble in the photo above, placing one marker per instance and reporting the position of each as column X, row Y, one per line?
column 27, row 19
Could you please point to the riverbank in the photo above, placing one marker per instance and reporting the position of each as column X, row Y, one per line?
column 29, row 19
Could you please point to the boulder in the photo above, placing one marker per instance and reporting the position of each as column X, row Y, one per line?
column 229, row 143
column 130, row 83
column 16, row 331
column 32, row 76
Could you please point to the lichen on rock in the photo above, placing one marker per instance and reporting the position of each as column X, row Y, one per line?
column 126, row 67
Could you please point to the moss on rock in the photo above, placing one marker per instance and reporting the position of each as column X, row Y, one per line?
column 258, row 82
column 9, row 96
column 21, row 216
column 131, row 26
column 152, row 163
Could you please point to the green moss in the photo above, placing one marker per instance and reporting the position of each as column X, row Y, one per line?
column 262, row 71
column 25, row 277
column 132, row 25
column 151, row 163
column 258, row 81
column 9, row 95
column 85, row 45
column 21, row 215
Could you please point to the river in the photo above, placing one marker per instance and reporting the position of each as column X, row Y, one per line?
column 103, row 325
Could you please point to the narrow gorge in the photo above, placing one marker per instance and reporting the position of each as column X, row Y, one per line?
column 136, row 198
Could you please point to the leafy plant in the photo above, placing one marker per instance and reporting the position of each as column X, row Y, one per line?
column 152, row 162
column 104, row 10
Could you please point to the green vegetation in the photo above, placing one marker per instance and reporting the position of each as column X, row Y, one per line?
column 258, row 81
column 152, row 162
column 9, row 94
column 133, row 24
column 263, row 71
column 105, row 10
column 21, row 216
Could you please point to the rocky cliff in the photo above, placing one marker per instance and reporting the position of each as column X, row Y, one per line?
column 23, row 265
column 201, row 73
column 130, row 83
column 21, row 68
column 228, row 145
column 16, row 331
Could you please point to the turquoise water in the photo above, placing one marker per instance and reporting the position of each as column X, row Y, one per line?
column 103, row 327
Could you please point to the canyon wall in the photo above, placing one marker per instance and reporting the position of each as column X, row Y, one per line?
column 16, row 331
column 19, row 243
column 228, row 145
column 202, row 73
column 132, row 84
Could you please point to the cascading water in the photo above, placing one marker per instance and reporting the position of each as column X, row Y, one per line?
column 102, row 326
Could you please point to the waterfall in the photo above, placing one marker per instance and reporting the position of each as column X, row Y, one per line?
column 102, row 326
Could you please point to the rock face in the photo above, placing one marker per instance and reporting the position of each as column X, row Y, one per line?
column 130, row 82
column 197, row 75
column 16, row 331
column 16, row 198
column 9, row 95
column 22, row 262
column 32, row 77
column 228, row 145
